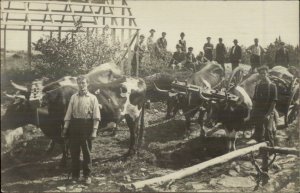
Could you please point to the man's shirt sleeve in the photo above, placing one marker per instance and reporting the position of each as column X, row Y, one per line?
column 96, row 110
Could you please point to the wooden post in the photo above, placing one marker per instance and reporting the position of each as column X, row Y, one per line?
column 137, row 55
column 4, row 50
column 51, row 34
column 265, row 164
column 123, row 23
column 29, row 47
column 193, row 169
column 59, row 34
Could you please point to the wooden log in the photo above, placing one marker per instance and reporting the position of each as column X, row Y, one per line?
column 194, row 169
column 282, row 150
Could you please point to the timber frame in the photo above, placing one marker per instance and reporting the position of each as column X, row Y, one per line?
column 67, row 16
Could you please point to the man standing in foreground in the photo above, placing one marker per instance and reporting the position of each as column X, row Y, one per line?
column 264, row 98
column 235, row 55
column 220, row 53
column 82, row 120
column 256, row 52
column 208, row 49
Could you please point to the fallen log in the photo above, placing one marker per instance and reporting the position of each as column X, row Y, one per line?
column 193, row 169
column 282, row 150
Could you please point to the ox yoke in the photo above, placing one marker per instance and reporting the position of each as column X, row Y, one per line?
column 212, row 94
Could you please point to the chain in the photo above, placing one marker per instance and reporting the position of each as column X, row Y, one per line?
column 171, row 119
column 165, row 121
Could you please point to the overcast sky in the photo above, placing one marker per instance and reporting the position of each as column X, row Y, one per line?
column 243, row 20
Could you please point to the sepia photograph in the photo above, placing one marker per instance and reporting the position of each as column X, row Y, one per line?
column 150, row 96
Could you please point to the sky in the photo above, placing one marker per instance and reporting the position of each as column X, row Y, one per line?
column 242, row 20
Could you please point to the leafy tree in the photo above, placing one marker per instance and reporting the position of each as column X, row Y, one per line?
column 74, row 55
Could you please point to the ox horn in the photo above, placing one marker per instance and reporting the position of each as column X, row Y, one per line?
column 203, row 97
column 19, row 87
column 9, row 95
column 160, row 90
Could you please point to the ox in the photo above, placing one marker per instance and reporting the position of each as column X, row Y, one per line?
column 119, row 96
column 210, row 76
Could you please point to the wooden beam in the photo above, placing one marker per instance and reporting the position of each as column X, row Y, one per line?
column 29, row 47
column 64, row 25
column 137, row 54
column 282, row 150
column 4, row 50
column 59, row 34
column 65, row 14
column 194, row 169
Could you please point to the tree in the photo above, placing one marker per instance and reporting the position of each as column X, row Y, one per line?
column 74, row 55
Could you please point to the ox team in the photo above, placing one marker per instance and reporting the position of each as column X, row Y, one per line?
column 82, row 118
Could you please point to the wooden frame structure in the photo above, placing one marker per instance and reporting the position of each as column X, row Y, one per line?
column 67, row 16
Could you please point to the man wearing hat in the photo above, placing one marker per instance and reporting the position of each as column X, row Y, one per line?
column 265, row 97
column 161, row 45
column 139, row 50
column 282, row 56
column 178, row 58
column 235, row 55
column 150, row 43
column 190, row 59
column 182, row 42
column 220, row 53
column 256, row 52
column 208, row 49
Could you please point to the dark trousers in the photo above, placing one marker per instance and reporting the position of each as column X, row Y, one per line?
column 134, row 64
column 234, row 64
column 264, row 128
column 255, row 61
column 221, row 62
column 80, row 131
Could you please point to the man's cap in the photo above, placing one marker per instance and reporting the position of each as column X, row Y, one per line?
column 255, row 39
column 263, row 67
column 182, row 34
column 235, row 40
column 208, row 38
column 178, row 46
column 220, row 38
column 164, row 33
column 142, row 35
column 152, row 30
column 190, row 48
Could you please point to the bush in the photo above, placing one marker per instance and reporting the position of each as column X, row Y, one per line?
column 73, row 56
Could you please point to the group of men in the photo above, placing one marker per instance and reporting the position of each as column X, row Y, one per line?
column 184, row 57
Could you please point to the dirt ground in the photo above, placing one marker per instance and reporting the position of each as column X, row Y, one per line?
column 27, row 167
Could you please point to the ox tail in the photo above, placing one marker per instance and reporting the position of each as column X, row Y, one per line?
column 142, row 127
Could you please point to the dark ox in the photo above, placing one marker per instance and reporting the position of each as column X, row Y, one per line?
column 121, row 98
column 210, row 76
column 234, row 116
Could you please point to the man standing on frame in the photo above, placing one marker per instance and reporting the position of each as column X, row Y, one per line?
column 235, row 55
column 264, row 98
column 161, row 45
column 182, row 42
column 208, row 49
column 220, row 53
column 151, row 43
column 282, row 56
column 81, row 121
column 139, row 51
column 256, row 52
